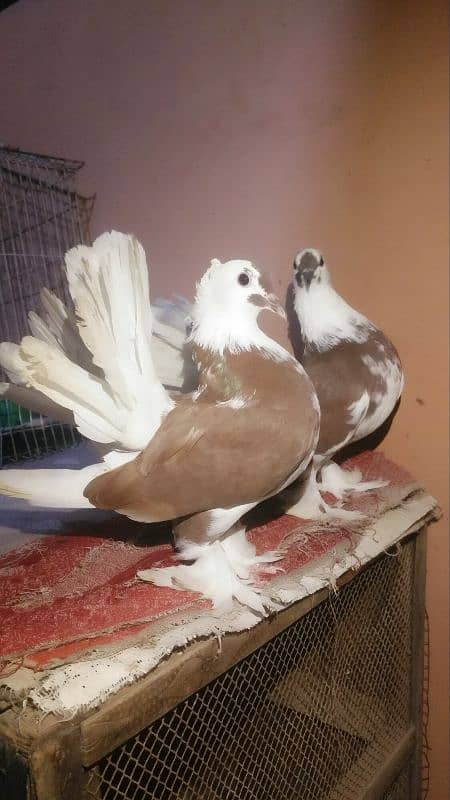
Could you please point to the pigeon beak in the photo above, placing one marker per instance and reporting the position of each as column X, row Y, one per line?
column 307, row 276
column 273, row 304
column 304, row 278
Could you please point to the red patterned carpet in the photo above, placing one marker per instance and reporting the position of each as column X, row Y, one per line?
column 65, row 594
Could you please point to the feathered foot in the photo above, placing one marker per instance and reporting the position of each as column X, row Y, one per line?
column 242, row 555
column 311, row 504
column 221, row 571
column 339, row 481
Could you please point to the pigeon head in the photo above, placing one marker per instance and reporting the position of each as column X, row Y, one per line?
column 309, row 269
column 237, row 287
column 228, row 300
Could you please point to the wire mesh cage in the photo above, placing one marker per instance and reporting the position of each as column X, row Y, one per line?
column 400, row 789
column 322, row 701
column 317, row 713
column 41, row 216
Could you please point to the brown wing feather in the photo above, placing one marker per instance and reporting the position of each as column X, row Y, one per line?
column 340, row 377
column 204, row 457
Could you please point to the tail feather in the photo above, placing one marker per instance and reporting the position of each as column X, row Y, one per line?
column 12, row 362
column 109, row 286
column 40, row 330
column 50, row 488
column 62, row 325
column 36, row 401
column 96, row 364
column 44, row 368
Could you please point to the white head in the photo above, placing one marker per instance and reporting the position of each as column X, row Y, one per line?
column 325, row 317
column 228, row 300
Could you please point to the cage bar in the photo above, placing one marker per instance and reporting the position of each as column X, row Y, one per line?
column 41, row 217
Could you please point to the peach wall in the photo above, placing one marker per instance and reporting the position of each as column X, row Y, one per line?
column 254, row 128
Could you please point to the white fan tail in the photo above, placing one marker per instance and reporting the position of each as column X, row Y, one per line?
column 44, row 368
column 108, row 283
column 60, row 323
column 50, row 488
column 95, row 364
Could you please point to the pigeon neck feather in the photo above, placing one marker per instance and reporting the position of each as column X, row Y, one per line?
column 326, row 319
column 219, row 330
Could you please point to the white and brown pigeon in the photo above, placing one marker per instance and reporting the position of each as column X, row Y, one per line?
column 202, row 459
column 356, row 372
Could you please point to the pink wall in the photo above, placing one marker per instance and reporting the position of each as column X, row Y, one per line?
column 206, row 133
column 254, row 128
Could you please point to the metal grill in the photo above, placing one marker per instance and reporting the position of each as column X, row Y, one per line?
column 312, row 714
column 41, row 216
column 400, row 789
column 426, row 710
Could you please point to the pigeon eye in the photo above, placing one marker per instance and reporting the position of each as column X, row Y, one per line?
column 321, row 261
column 243, row 279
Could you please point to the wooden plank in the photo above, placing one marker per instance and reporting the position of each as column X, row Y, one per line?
column 391, row 767
column 56, row 769
column 13, row 773
column 21, row 728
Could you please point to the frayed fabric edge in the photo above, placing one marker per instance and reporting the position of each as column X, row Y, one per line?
column 84, row 685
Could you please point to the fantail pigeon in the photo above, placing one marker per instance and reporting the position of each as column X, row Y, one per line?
column 202, row 459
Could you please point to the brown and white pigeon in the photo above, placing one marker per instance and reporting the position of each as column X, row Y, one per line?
column 203, row 459
column 356, row 372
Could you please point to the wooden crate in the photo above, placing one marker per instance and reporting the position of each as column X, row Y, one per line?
column 320, row 702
